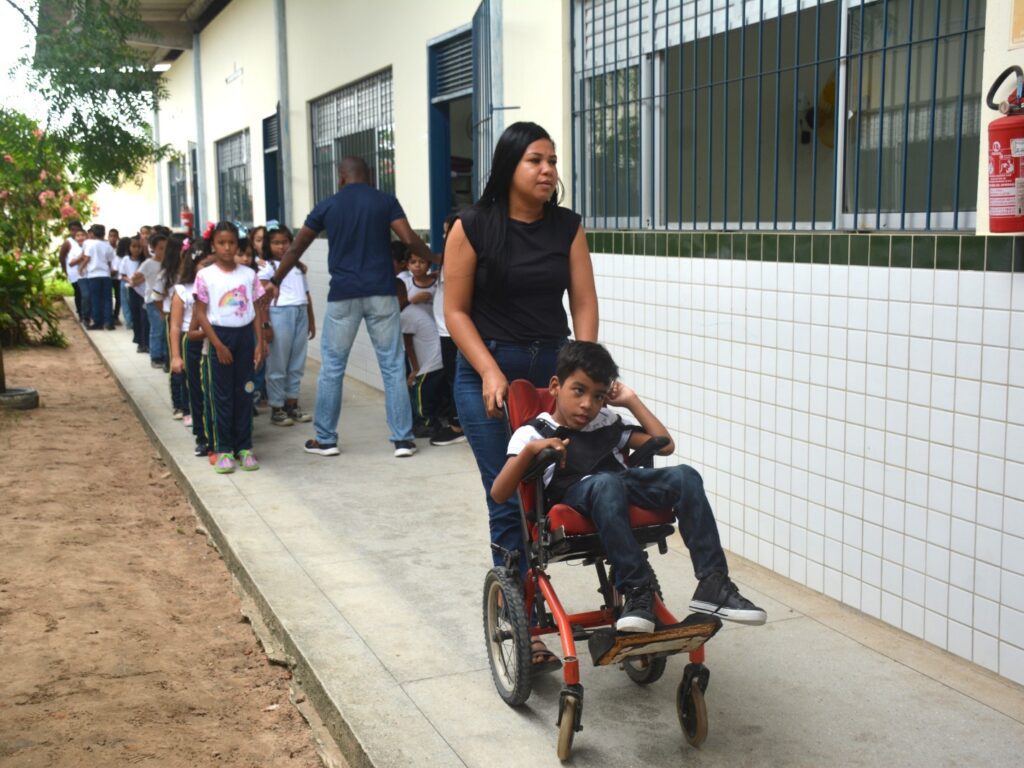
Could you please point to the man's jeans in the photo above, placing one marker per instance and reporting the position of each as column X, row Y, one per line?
column 286, row 360
column 605, row 499
column 489, row 437
column 340, row 324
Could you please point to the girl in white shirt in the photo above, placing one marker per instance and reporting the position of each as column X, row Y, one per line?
column 187, row 349
column 292, row 325
column 226, row 310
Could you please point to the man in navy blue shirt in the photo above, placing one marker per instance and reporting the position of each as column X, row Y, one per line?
column 359, row 221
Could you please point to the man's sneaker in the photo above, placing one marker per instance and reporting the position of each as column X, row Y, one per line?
column 225, row 464
column 201, row 450
column 321, row 449
column 187, row 420
column 279, row 417
column 298, row 415
column 156, row 363
column 177, row 414
column 638, row 612
column 717, row 595
column 404, row 448
column 421, row 430
column 247, row 461
column 448, row 436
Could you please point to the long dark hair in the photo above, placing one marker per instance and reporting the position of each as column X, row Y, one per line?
column 492, row 206
column 171, row 264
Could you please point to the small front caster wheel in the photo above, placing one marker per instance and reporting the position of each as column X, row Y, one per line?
column 692, row 711
column 567, row 726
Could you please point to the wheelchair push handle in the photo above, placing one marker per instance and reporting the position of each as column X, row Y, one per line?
column 642, row 456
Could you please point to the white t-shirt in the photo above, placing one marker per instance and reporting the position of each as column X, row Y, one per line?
column 74, row 274
column 151, row 269
column 414, row 290
column 186, row 292
column 228, row 296
column 425, row 341
column 293, row 289
column 101, row 256
column 442, row 327
column 128, row 269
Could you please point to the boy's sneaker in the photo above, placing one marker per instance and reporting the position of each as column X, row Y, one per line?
column 717, row 595
column 247, row 461
column 187, row 420
column 638, row 612
column 404, row 448
column 298, row 415
column 448, row 436
column 177, row 414
column 225, row 464
column 279, row 418
column 201, row 450
column 321, row 449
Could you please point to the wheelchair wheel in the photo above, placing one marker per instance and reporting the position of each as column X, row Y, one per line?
column 567, row 727
column 644, row 670
column 507, row 633
column 692, row 711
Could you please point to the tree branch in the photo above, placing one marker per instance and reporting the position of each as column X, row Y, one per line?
column 24, row 14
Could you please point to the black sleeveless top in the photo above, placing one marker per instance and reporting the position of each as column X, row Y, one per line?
column 528, row 305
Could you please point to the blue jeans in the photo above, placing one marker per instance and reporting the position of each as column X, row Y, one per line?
column 126, row 309
column 101, row 300
column 157, row 333
column 489, row 437
column 341, row 322
column 286, row 360
column 605, row 499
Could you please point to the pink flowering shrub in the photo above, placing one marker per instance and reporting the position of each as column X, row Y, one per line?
column 36, row 201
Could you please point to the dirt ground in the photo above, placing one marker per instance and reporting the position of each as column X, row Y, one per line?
column 121, row 639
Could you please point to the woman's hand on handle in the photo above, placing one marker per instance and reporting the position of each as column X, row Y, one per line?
column 495, row 390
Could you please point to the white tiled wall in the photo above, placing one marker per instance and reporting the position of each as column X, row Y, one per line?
column 860, row 429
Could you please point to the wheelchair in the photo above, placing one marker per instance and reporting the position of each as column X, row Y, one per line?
column 515, row 613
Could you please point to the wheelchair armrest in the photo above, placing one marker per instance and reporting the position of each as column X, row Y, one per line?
column 544, row 459
column 642, row 456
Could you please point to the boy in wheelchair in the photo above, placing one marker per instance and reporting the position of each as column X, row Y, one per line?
column 591, row 476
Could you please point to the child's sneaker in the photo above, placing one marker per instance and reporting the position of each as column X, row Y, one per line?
column 201, row 451
column 247, row 461
column 177, row 414
column 225, row 464
column 298, row 415
column 717, row 595
column 638, row 612
column 187, row 420
column 279, row 417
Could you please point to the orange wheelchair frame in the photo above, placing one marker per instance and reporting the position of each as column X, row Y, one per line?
column 515, row 614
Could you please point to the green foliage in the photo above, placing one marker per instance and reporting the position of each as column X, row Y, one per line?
column 100, row 94
column 36, row 199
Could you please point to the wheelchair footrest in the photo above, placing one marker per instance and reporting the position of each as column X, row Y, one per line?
column 610, row 647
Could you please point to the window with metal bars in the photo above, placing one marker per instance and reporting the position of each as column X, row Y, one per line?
column 354, row 120
column 777, row 114
column 234, row 188
column 177, row 183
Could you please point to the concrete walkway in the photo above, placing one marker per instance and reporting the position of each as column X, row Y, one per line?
column 369, row 569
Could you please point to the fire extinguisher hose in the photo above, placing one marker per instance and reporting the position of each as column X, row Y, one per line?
column 1011, row 70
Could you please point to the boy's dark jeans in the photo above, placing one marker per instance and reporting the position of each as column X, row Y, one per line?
column 605, row 498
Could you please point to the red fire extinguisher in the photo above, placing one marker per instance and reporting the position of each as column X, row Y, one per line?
column 187, row 220
column 1006, row 157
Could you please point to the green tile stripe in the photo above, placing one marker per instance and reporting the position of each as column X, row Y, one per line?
column 990, row 253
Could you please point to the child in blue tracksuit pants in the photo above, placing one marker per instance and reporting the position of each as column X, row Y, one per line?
column 226, row 310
